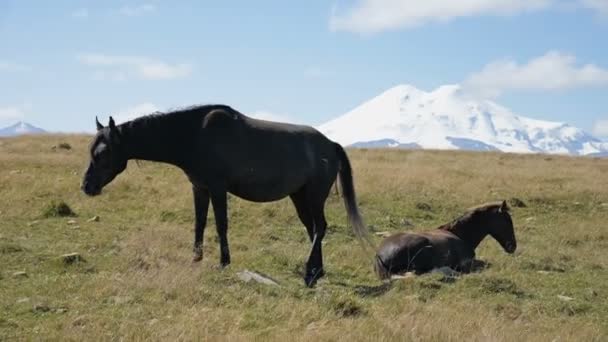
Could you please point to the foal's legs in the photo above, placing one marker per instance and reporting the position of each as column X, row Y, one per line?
column 201, row 207
column 218, row 199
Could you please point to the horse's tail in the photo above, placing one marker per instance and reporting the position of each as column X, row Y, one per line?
column 380, row 269
column 350, row 199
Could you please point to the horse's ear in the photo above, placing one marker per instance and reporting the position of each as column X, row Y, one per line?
column 99, row 126
column 112, row 125
column 504, row 207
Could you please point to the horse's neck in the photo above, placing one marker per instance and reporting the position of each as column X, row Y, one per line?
column 158, row 139
column 473, row 230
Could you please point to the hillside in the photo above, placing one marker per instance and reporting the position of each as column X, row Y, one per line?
column 136, row 281
column 447, row 118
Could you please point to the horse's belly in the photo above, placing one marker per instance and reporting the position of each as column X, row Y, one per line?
column 263, row 191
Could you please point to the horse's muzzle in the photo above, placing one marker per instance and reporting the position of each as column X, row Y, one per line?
column 510, row 247
column 90, row 189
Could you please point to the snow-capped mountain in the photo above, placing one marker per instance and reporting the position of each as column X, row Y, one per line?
column 20, row 128
column 446, row 118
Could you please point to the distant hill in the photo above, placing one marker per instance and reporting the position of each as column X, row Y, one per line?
column 20, row 128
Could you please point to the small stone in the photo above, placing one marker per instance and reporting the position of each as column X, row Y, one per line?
column 71, row 258
column 565, row 298
column 93, row 219
column 41, row 308
column 20, row 274
column 248, row 276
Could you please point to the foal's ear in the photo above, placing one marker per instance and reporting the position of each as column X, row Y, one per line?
column 99, row 126
column 504, row 207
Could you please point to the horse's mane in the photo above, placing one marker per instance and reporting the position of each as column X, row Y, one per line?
column 158, row 116
column 470, row 214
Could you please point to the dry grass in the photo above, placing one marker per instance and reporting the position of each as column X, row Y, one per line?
column 138, row 283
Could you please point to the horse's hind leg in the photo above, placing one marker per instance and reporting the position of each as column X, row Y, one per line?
column 310, row 212
column 314, row 265
column 303, row 210
column 219, row 201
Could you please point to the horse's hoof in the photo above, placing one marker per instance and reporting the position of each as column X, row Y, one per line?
column 224, row 262
column 220, row 267
column 311, row 278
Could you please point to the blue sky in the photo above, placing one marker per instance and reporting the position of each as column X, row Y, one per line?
column 63, row 62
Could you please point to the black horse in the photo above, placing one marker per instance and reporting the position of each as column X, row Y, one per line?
column 452, row 244
column 221, row 151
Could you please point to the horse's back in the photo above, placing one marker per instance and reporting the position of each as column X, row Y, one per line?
column 265, row 161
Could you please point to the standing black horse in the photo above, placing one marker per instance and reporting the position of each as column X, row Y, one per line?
column 221, row 151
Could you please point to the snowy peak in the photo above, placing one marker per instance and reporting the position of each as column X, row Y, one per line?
column 446, row 118
column 20, row 128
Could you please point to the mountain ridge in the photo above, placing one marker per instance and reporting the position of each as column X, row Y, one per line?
column 20, row 128
column 448, row 118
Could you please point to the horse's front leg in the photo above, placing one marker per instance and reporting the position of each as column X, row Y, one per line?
column 220, row 209
column 201, row 207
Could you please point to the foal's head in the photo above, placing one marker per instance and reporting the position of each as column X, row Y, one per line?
column 500, row 226
column 107, row 159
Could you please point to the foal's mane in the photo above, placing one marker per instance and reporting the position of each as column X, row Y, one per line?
column 468, row 216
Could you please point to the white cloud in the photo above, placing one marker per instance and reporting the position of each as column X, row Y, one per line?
column 600, row 6
column 270, row 116
column 81, row 13
column 600, row 128
column 372, row 16
column 136, row 111
column 552, row 71
column 124, row 67
column 134, row 11
column 6, row 66
column 11, row 113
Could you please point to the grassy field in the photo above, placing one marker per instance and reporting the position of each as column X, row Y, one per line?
column 136, row 281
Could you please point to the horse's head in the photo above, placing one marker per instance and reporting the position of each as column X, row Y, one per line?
column 501, row 228
column 107, row 159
